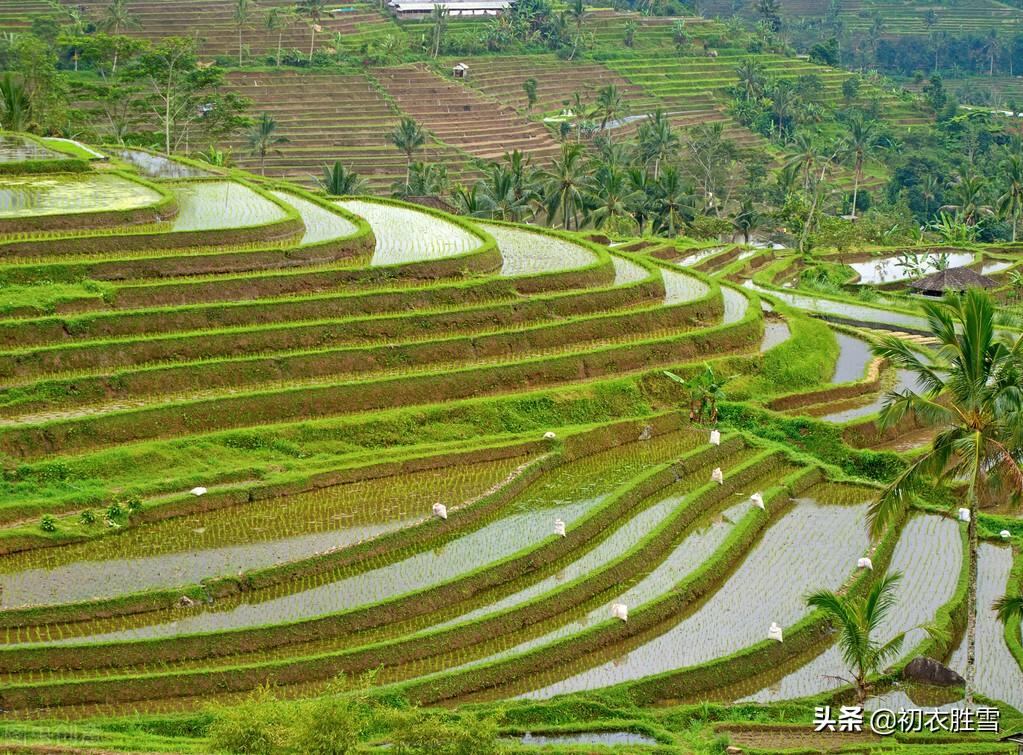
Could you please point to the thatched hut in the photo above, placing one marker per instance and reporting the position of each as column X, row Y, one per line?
column 956, row 279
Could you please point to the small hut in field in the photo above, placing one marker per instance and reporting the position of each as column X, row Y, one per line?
column 956, row 279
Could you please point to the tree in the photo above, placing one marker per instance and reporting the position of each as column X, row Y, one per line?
column 703, row 392
column 241, row 20
column 219, row 158
column 629, row 29
column 408, row 136
column 577, row 12
column 747, row 220
column 857, row 618
column 15, row 102
column 263, row 138
column 673, row 202
column 339, row 181
column 770, row 13
column 313, row 10
column 861, row 142
column 425, row 180
column 611, row 198
column 752, row 78
column 968, row 198
column 565, row 184
column 992, row 44
column 278, row 19
column 1009, row 607
column 610, row 107
column 439, row 16
column 970, row 389
column 1010, row 202
column 498, row 195
column 680, row 36
column 113, row 19
column 658, row 141
column 183, row 96
column 529, row 87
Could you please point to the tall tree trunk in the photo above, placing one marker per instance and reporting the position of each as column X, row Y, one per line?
column 239, row 46
column 312, row 39
column 856, row 187
column 408, row 171
column 971, row 602
column 1015, row 222
column 280, row 35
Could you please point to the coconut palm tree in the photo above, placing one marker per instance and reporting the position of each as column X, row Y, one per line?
column 1010, row 202
column 263, row 139
column 526, row 179
column 752, row 78
column 16, row 103
column 313, row 10
column 658, row 141
column 241, row 20
column 971, row 389
column 339, row 181
column 610, row 107
column 968, row 197
column 642, row 207
column 1009, row 607
column 469, row 201
column 857, row 618
column 114, row 19
column 498, row 195
column 439, row 16
column 577, row 12
column 278, row 19
column 565, row 185
column 611, row 197
column 408, row 136
column 629, row 29
column 674, row 201
column 747, row 220
column 860, row 143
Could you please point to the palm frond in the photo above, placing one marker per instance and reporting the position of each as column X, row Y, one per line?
column 1009, row 607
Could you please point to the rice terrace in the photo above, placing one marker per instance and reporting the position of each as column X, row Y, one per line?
column 511, row 376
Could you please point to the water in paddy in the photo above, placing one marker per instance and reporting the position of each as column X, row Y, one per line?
column 604, row 738
column 697, row 546
column 702, row 254
column 568, row 492
column 16, row 149
column 618, row 543
column 30, row 196
column 998, row 673
column 158, row 166
column 812, row 546
column 990, row 268
column 930, row 555
column 407, row 235
column 736, row 305
column 679, row 287
column 858, row 312
column 209, row 205
column 905, row 379
column 185, row 550
column 775, row 332
column 888, row 269
column 853, row 356
column 320, row 224
column 528, row 252
column 627, row 271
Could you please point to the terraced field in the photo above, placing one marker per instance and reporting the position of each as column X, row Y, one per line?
column 280, row 437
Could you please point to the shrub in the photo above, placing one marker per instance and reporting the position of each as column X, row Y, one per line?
column 257, row 726
column 114, row 511
column 48, row 524
column 87, row 517
column 331, row 726
column 421, row 734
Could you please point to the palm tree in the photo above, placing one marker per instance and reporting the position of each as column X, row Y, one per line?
column 930, row 190
column 577, row 12
column 313, row 10
column 642, row 207
column 860, row 143
column 680, row 35
column 469, row 201
column 704, row 391
column 525, row 178
column 218, row 158
column 610, row 106
column 857, row 617
column 658, row 141
column 529, row 87
column 277, row 19
column 747, row 220
column 565, row 184
column 1009, row 607
column 752, row 78
column 115, row 18
column 498, row 195
column 971, row 388
column 263, row 139
column 241, row 20
column 439, row 16
column 17, row 106
column 339, row 181
column 674, row 201
column 611, row 197
column 425, row 180
column 629, row 28
column 968, row 194
column 408, row 136
column 1010, row 202
column 806, row 152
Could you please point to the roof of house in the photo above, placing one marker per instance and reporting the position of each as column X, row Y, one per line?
column 463, row 66
column 462, row 5
column 953, row 279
